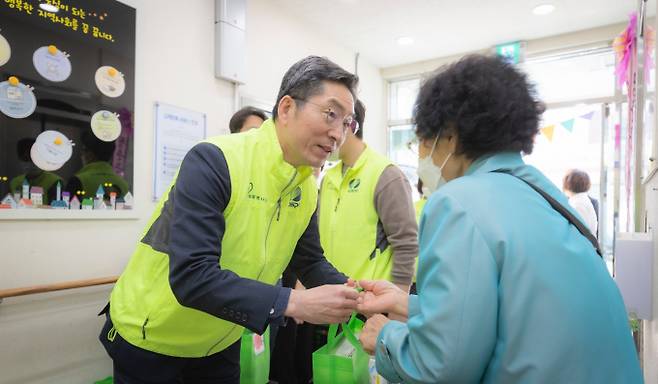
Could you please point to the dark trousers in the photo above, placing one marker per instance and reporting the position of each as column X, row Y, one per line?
column 282, row 360
column 133, row 365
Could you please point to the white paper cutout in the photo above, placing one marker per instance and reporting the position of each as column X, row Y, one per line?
column 106, row 125
column 51, row 150
column 5, row 50
column 110, row 81
column 51, row 63
column 16, row 99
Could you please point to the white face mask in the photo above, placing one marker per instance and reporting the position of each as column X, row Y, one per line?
column 430, row 174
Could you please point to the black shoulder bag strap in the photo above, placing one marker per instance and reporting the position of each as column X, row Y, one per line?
column 561, row 209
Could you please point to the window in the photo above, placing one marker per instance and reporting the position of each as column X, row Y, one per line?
column 401, row 129
column 572, row 76
column 402, row 98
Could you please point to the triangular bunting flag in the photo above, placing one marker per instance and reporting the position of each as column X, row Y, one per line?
column 548, row 132
column 568, row 125
column 587, row 116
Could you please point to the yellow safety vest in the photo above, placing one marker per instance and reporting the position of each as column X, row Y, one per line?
column 270, row 207
column 348, row 219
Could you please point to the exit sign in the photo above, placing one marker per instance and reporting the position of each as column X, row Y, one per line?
column 510, row 51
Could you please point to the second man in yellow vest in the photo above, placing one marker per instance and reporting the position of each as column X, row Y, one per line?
column 368, row 225
column 367, row 229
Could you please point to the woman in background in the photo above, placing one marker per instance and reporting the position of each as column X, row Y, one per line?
column 576, row 184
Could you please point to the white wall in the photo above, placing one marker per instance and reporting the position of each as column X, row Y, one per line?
column 276, row 40
column 51, row 338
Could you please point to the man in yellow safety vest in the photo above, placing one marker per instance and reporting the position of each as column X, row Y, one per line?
column 241, row 209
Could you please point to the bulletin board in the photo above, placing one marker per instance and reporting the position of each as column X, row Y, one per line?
column 67, row 81
column 177, row 130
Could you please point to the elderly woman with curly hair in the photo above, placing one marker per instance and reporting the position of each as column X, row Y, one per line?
column 510, row 286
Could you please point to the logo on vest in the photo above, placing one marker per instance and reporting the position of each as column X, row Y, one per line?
column 254, row 196
column 296, row 198
column 354, row 185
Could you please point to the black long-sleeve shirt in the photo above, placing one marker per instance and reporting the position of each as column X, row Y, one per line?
column 190, row 230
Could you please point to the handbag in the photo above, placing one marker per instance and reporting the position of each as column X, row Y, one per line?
column 255, row 357
column 342, row 359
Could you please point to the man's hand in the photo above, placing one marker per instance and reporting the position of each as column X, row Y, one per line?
column 368, row 336
column 327, row 304
column 383, row 297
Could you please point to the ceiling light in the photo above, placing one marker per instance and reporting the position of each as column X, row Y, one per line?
column 49, row 7
column 543, row 9
column 405, row 40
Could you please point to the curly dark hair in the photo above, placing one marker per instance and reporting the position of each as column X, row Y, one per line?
column 487, row 102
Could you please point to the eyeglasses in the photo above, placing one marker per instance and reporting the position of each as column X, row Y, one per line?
column 332, row 119
column 412, row 145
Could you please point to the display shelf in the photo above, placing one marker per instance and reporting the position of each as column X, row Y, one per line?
column 64, row 214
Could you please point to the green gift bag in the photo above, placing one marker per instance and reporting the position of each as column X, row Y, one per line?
column 255, row 357
column 331, row 365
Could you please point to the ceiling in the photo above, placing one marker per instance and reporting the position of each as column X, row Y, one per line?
column 446, row 27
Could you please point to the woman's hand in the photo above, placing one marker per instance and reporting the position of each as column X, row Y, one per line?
column 382, row 297
column 368, row 336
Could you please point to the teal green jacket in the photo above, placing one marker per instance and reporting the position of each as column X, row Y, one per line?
column 508, row 291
